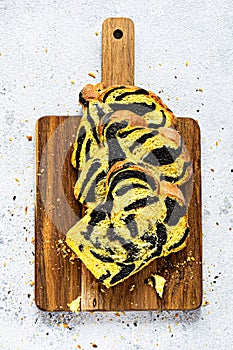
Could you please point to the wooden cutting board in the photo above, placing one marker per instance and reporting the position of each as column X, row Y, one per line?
column 59, row 276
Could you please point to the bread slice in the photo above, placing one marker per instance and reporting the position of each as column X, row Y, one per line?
column 161, row 151
column 131, row 227
column 98, row 102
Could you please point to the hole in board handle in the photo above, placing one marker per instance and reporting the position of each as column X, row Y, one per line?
column 118, row 34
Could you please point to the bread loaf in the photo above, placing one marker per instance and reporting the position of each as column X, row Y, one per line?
column 131, row 164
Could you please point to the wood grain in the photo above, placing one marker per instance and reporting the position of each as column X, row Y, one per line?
column 118, row 54
column 58, row 281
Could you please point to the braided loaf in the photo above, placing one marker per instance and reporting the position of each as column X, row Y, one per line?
column 131, row 164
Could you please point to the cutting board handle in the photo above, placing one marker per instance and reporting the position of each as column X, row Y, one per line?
column 118, row 51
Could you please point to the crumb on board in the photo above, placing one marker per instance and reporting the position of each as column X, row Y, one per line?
column 132, row 287
column 75, row 305
column 190, row 258
column 157, row 282
column 65, row 251
column 29, row 137
column 72, row 82
column 73, row 258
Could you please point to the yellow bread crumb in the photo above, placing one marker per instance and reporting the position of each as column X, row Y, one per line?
column 75, row 305
column 157, row 282
column 132, row 288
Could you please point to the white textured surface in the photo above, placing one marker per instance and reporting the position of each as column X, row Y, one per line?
column 35, row 83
